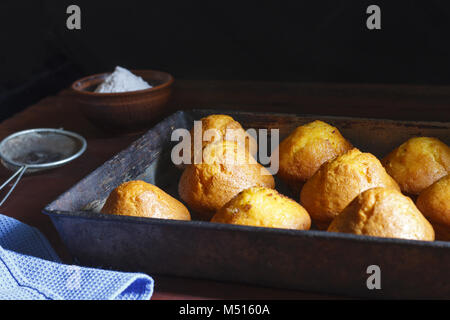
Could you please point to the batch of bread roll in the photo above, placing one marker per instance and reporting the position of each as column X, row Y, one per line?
column 339, row 188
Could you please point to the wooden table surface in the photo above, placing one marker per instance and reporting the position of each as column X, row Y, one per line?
column 37, row 190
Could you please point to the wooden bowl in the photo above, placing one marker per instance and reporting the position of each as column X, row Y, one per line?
column 124, row 111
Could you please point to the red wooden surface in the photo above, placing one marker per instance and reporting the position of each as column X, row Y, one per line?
column 37, row 190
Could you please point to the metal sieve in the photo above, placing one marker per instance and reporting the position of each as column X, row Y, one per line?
column 37, row 150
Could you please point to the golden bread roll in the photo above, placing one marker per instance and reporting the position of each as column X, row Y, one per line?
column 339, row 181
column 309, row 146
column 263, row 207
column 434, row 203
column 226, row 170
column 382, row 212
column 142, row 199
column 418, row 163
column 219, row 127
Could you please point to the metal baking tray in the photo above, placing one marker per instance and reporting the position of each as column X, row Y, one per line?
column 316, row 261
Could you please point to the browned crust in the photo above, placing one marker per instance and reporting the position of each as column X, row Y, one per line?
column 141, row 199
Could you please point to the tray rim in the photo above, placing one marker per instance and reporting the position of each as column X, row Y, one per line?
column 88, row 216
column 312, row 115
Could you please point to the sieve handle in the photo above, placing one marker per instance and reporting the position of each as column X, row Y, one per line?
column 18, row 173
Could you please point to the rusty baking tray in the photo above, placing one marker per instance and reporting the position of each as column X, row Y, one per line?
column 315, row 261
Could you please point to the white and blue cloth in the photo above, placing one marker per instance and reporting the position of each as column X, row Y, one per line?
column 31, row 270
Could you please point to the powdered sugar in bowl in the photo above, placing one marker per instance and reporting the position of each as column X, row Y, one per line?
column 124, row 101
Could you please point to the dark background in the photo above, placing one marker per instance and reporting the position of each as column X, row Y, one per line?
column 298, row 41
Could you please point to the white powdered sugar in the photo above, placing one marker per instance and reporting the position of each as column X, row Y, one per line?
column 122, row 80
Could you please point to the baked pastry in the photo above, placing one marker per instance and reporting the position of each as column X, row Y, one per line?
column 263, row 207
column 225, row 171
column 339, row 181
column 434, row 203
column 309, row 146
column 382, row 212
column 218, row 127
column 142, row 199
column 418, row 163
